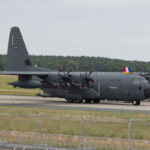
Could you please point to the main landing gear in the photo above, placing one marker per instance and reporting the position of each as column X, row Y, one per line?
column 74, row 101
column 88, row 101
column 96, row 101
column 136, row 102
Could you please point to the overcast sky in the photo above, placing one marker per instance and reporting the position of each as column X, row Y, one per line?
column 105, row 28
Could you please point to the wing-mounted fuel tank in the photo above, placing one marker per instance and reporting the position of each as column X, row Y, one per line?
column 26, row 82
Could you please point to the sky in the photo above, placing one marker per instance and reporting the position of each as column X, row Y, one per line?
column 105, row 28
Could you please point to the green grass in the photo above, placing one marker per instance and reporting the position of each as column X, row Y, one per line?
column 101, row 124
column 6, row 89
column 68, row 122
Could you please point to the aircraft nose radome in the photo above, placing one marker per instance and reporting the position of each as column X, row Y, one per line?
column 147, row 92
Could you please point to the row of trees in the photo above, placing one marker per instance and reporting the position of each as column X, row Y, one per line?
column 78, row 63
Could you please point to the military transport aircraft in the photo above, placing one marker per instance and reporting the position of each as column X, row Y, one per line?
column 75, row 87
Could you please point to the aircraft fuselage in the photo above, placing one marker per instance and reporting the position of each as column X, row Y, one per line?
column 106, row 85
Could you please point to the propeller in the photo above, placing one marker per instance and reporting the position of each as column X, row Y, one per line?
column 87, row 77
column 65, row 77
column 146, row 75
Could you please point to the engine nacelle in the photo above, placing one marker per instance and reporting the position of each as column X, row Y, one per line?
column 26, row 84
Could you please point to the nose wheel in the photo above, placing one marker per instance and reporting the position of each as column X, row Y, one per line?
column 136, row 102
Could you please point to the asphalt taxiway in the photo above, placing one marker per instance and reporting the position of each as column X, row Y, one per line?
column 58, row 103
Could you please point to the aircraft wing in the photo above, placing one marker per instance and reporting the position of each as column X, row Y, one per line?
column 36, row 73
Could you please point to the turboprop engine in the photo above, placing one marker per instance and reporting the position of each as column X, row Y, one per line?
column 26, row 82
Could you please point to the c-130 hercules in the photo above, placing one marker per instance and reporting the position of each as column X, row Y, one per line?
column 73, row 86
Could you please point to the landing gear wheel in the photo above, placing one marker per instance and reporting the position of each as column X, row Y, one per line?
column 78, row 101
column 88, row 101
column 96, row 101
column 69, row 101
column 136, row 102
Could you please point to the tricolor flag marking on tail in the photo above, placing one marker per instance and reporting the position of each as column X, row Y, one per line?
column 127, row 70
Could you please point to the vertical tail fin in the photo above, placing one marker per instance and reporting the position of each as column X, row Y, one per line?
column 17, row 55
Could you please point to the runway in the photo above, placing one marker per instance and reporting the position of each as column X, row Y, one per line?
column 58, row 103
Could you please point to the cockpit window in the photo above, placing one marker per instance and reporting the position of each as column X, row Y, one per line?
column 140, row 81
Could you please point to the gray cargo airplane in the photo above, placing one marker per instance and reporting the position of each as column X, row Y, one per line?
column 73, row 86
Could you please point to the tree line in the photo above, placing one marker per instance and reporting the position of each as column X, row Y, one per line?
column 78, row 63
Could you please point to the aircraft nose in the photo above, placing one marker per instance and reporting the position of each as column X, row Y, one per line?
column 147, row 92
